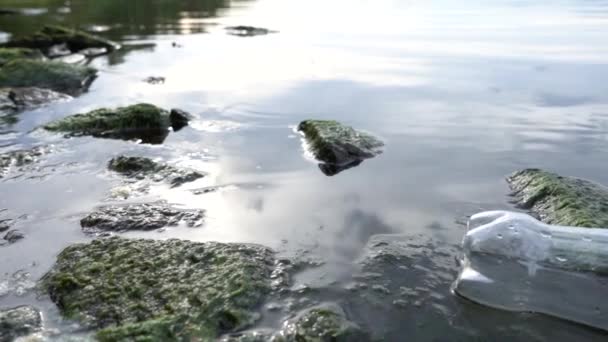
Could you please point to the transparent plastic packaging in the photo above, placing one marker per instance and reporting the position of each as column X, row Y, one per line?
column 514, row 262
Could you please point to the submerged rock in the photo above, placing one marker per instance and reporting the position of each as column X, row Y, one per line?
column 247, row 31
column 141, row 168
column 10, row 54
column 142, row 121
column 339, row 147
column 559, row 200
column 19, row 321
column 56, row 76
column 51, row 36
column 13, row 236
column 135, row 289
column 15, row 100
column 20, row 158
column 139, row 216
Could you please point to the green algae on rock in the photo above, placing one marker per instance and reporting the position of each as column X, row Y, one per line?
column 141, row 168
column 19, row 321
column 139, row 216
column 141, row 121
column 337, row 146
column 136, row 289
column 56, row 76
column 52, row 35
column 10, row 54
column 565, row 201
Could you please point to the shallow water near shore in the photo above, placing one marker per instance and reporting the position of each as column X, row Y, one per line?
column 462, row 94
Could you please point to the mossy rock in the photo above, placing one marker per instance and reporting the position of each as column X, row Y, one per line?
column 141, row 121
column 9, row 54
column 337, row 146
column 51, row 35
column 559, row 200
column 57, row 76
column 142, row 168
column 150, row 290
column 19, row 321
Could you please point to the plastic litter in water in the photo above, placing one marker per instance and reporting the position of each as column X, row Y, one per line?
column 514, row 262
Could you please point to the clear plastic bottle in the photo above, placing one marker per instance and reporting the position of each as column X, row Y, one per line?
column 514, row 262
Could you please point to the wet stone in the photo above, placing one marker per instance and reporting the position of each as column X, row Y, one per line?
column 20, row 158
column 139, row 216
column 154, row 80
column 57, row 76
column 143, row 121
column 136, row 289
column 337, row 146
column 52, row 36
column 19, row 321
column 248, row 31
column 146, row 168
column 559, row 200
column 13, row 236
column 179, row 118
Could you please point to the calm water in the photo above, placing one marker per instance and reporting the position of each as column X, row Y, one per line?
column 463, row 93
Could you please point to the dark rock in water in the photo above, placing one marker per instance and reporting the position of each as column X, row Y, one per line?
column 141, row 121
column 51, row 36
column 6, row 224
column 559, row 200
column 19, row 321
column 339, row 147
column 57, row 76
column 13, row 236
column 140, row 168
column 10, row 54
column 179, row 118
column 172, row 290
column 14, row 100
column 139, row 216
column 154, row 80
column 8, row 11
column 247, row 31
column 20, row 158
column 326, row 322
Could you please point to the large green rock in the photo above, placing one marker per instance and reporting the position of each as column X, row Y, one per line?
column 559, row 200
column 57, row 76
column 9, row 54
column 52, row 35
column 141, row 121
column 337, row 146
column 142, row 168
column 149, row 290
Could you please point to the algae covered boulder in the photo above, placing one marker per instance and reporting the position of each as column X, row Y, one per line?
column 139, row 216
column 52, row 35
column 143, row 121
column 19, row 321
column 142, row 168
column 10, row 54
column 560, row 200
column 337, row 146
column 56, row 76
column 323, row 323
column 135, row 289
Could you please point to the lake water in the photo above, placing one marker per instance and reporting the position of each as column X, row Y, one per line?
column 463, row 93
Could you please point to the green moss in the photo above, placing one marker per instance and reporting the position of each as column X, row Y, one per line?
column 144, row 121
column 141, row 167
column 561, row 200
column 148, row 290
column 57, row 76
column 334, row 143
column 53, row 35
column 9, row 54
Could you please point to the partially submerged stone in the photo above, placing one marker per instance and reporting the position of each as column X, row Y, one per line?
column 19, row 158
column 134, row 289
column 141, row 168
column 13, row 236
column 142, row 121
column 51, row 35
column 10, row 54
column 15, row 100
column 139, row 216
column 338, row 146
column 19, row 321
column 56, row 76
column 559, row 200
column 247, row 31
